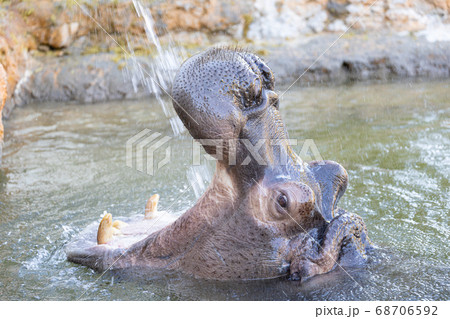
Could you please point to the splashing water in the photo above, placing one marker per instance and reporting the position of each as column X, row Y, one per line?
column 158, row 74
column 157, row 77
column 199, row 177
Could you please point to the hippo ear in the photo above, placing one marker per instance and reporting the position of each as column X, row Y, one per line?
column 332, row 179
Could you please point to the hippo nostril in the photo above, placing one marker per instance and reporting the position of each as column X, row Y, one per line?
column 273, row 100
column 267, row 98
column 266, row 73
column 276, row 103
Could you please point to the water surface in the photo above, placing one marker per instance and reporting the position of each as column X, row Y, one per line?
column 64, row 165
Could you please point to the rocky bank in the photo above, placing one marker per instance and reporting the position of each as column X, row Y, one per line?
column 73, row 50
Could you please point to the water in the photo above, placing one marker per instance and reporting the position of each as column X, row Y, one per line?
column 155, row 73
column 64, row 165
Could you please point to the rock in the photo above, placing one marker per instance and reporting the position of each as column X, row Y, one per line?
column 209, row 15
column 61, row 36
column 13, row 52
column 405, row 19
column 3, row 87
column 95, row 78
column 436, row 32
column 317, row 22
column 337, row 26
column 43, row 48
column 365, row 15
column 337, row 8
column 3, row 96
column 278, row 20
column 379, row 56
column 86, row 79
column 441, row 4
column 191, row 38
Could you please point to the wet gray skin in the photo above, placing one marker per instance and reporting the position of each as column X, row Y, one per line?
column 266, row 213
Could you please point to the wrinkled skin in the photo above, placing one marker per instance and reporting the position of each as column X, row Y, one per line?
column 266, row 213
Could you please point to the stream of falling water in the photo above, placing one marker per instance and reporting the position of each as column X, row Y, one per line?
column 157, row 76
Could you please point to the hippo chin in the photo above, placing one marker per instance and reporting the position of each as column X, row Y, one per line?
column 265, row 214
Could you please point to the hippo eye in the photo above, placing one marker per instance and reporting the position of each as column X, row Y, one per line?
column 282, row 200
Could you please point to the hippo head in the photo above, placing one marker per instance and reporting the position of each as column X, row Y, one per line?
column 266, row 212
column 226, row 99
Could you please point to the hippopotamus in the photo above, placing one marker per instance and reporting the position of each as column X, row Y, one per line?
column 265, row 214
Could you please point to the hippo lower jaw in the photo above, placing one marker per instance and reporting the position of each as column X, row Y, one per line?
column 314, row 254
column 306, row 255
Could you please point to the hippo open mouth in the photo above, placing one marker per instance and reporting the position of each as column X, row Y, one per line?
column 266, row 212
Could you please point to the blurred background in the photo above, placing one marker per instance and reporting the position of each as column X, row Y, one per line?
column 46, row 46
